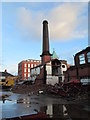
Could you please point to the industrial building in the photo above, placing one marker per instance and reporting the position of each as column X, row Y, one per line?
column 51, row 70
column 24, row 68
column 81, row 69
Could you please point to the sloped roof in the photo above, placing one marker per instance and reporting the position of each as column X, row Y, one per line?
column 6, row 74
column 54, row 55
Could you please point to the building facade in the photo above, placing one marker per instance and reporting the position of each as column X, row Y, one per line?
column 51, row 72
column 81, row 69
column 24, row 68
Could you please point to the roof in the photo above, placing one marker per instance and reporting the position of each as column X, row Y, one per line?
column 84, row 50
column 54, row 55
column 63, row 61
column 29, row 60
column 6, row 74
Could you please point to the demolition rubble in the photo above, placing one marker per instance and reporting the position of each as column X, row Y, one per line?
column 73, row 90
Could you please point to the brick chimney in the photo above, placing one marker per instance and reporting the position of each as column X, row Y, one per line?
column 46, row 56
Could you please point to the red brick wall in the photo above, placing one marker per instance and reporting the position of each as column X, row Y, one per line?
column 45, row 59
column 21, row 69
column 79, row 70
column 70, row 74
column 76, row 59
column 83, row 72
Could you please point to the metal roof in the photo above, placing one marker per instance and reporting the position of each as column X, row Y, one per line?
column 54, row 55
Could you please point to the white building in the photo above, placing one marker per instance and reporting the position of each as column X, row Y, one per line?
column 51, row 73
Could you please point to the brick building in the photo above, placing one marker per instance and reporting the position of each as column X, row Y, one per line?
column 81, row 69
column 24, row 68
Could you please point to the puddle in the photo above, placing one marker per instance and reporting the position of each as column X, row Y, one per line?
column 18, row 105
column 64, row 111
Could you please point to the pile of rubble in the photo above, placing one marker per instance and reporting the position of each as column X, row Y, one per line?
column 69, row 90
column 28, row 88
column 65, row 90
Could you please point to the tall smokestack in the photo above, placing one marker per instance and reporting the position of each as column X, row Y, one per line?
column 45, row 38
column 46, row 56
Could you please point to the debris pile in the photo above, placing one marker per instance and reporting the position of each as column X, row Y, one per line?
column 68, row 90
column 74, row 90
column 28, row 88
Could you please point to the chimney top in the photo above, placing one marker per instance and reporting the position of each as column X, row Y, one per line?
column 5, row 70
column 45, row 21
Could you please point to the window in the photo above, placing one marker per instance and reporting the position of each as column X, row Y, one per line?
column 25, row 75
column 28, row 70
column 29, row 75
column 88, row 57
column 63, row 66
column 31, row 65
column 25, row 69
column 82, row 59
column 28, row 65
column 54, row 70
column 25, row 65
column 38, row 70
column 35, row 65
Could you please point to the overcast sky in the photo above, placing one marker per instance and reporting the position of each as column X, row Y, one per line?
column 22, row 30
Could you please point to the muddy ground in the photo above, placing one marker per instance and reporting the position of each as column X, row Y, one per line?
column 26, row 99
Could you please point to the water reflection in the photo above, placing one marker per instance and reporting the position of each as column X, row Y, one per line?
column 55, row 111
column 64, row 111
column 18, row 105
column 3, row 100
